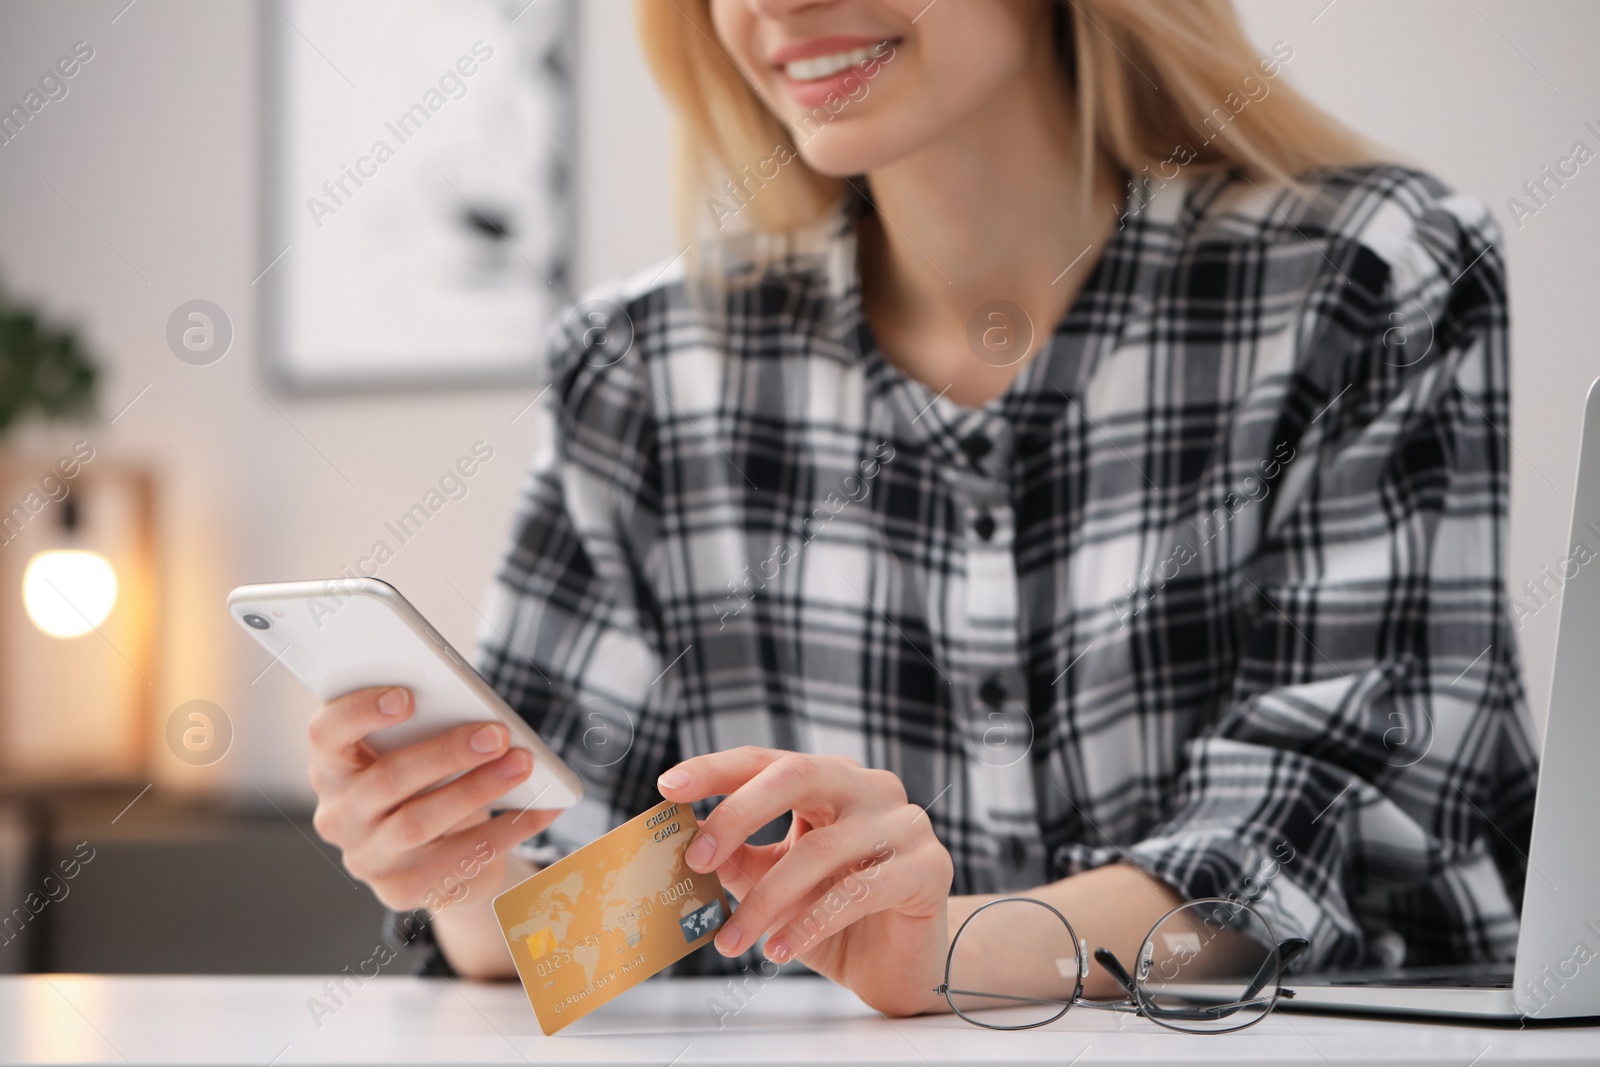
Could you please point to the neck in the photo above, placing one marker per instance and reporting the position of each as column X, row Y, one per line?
column 997, row 208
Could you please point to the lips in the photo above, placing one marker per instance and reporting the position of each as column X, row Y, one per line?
column 814, row 47
column 814, row 70
column 827, row 65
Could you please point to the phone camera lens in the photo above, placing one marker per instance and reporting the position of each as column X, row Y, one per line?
column 260, row 622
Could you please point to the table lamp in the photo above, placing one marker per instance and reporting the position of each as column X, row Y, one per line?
column 76, row 617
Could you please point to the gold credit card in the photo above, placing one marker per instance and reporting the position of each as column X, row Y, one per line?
column 608, row 916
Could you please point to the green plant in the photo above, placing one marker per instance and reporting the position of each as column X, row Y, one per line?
column 43, row 368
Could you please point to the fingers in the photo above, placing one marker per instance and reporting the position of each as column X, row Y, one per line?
column 818, row 787
column 501, row 833
column 830, row 872
column 400, row 775
column 514, row 827
column 815, row 860
column 441, row 874
column 338, row 727
column 911, row 879
column 414, row 842
column 434, row 814
column 350, row 809
column 828, row 912
column 715, row 773
column 747, row 865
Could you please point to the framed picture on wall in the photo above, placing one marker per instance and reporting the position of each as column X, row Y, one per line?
column 417, row 190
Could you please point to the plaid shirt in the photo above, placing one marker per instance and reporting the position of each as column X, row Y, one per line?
column 1215, row 588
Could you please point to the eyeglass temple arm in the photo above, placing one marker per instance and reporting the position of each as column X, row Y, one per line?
column 1288, row 949
column 1114, row 967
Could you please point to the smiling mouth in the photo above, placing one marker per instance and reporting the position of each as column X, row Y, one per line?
column 817, row 68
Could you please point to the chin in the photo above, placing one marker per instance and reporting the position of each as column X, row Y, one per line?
column 841, row 153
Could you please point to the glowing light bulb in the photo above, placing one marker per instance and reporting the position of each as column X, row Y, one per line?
column 68, row 592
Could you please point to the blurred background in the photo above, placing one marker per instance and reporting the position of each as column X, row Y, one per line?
column 239, row 341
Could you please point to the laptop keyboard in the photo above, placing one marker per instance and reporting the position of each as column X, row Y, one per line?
column 1496, row 977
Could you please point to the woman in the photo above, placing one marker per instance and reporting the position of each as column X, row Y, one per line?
column 1067, row 465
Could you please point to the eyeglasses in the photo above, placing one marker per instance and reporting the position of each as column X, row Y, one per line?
column 1210, row 966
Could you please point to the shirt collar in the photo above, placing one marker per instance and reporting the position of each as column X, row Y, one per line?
column 1117, row 295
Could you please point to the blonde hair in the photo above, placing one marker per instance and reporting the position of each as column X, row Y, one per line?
column 1149, row 79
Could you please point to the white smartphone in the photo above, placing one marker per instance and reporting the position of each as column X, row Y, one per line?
column 345, row 634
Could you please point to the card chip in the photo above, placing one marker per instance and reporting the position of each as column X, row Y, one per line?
column 542, row 943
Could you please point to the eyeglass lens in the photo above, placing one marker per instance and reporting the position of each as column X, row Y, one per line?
column 1014, row 964
column 1209, row 966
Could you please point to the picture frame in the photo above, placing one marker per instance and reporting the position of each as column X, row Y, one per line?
column 418, row 218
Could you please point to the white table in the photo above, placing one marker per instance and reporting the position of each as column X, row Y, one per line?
column 260, row 1021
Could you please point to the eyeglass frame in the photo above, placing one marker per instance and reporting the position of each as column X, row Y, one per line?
column 1287, row 949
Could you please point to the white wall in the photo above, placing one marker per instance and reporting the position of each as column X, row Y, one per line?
column 156, row 146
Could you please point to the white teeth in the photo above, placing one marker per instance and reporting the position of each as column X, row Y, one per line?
column 825, row 66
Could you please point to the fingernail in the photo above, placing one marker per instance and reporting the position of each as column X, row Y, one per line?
column 728, row 938
column 487, row 739
column 701, row 850
column 392, row 702
column 778, row 950
column 673, row 779
column 515, row 764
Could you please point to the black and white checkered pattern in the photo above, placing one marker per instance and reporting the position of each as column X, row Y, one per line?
column 1215, row 588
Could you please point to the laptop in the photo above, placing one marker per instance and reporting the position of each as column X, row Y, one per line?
column 1557, row 970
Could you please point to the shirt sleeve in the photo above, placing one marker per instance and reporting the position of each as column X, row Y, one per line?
column 1371, row 776
column 572, row 635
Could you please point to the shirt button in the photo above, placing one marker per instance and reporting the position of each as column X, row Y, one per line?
column 983, row 525
column 976, row 447
column 992, row 692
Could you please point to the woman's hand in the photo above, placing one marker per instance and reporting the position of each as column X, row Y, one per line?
column 413, row 847
column 858, row 889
